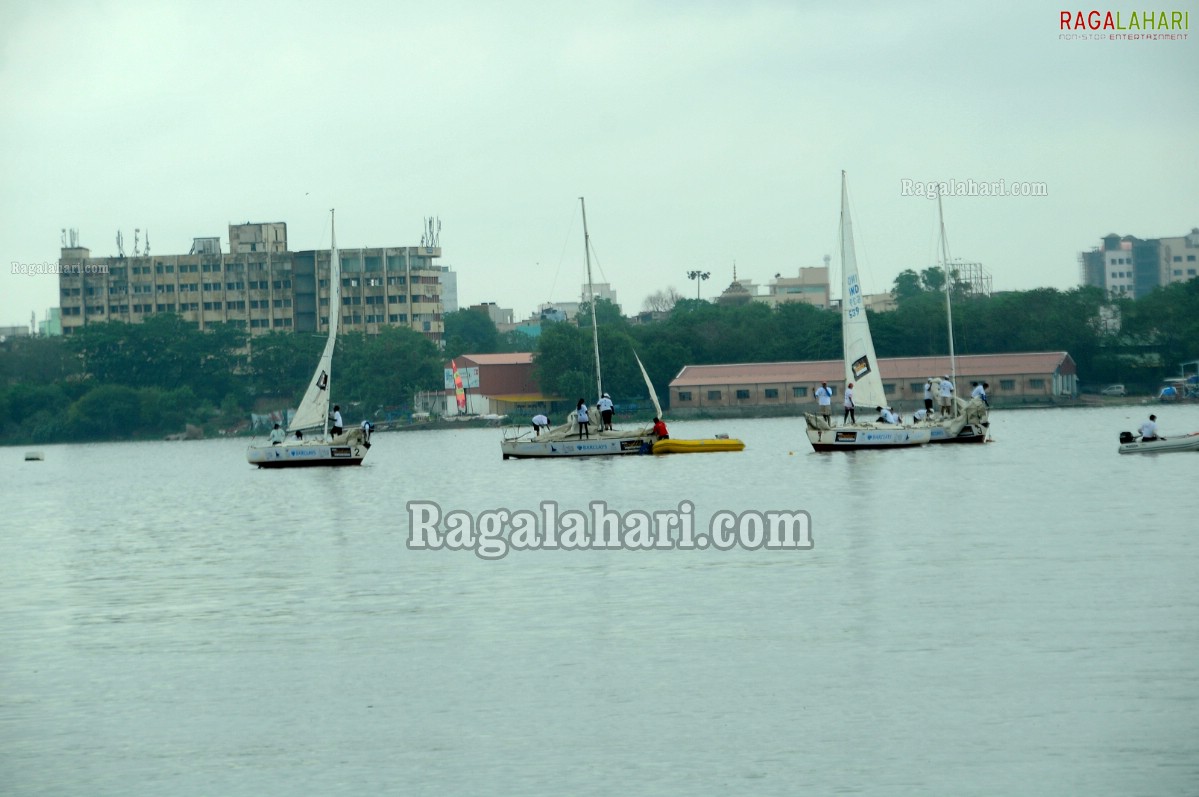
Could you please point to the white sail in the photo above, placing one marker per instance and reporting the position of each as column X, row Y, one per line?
column 653, row 394
column 861, row 364
column 314, row 409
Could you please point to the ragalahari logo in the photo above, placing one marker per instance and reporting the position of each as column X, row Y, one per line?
column 1140, row 21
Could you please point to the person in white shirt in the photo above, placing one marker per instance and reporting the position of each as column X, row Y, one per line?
column 928, row 395
column 336, row 428
column 604, row 405
column 980, row 391
column 920, row 415
column 886, row 415
column 366, row 432
column 945, row 389
column 849, row 406
column 1149, row 430
column 277, row 435
column 824, row 397
column 540, row 422
column 583, row 418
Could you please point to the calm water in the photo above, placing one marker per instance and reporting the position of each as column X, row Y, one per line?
column 1017, row 618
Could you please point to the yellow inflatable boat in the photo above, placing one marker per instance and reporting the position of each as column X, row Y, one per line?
column 672, row 446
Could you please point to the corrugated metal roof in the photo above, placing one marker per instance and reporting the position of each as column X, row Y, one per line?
column 913, row 368
column 504, row 358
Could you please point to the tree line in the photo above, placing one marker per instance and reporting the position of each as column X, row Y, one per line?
column 117, row 380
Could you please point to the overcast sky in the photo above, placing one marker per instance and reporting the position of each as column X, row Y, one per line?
column 700, row 133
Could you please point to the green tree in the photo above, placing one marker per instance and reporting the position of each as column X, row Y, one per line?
column 386, row 369
column 105, row 411
column 470, row 332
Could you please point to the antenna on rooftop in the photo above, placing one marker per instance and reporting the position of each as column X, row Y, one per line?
column 64, row 237
column 432, row 235
column 147, row 243
column 137, row 234
column 120, row 244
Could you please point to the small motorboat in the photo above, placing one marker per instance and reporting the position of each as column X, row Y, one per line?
column 673, row 446
column 1129, row 444
column 34, row 456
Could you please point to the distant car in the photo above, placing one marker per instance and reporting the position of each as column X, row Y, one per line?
column 1114, row 390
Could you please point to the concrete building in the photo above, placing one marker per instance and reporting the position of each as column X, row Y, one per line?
column 1127, row 266
column 261, row 286
column 496, row 384
column 810, row 287
column 790, row 386
column 499, row 315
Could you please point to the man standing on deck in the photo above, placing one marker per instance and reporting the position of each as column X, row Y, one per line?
column 849, row 415
column 824, row 397
column 946, row 392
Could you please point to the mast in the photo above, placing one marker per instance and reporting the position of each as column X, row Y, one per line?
column 953, row 366
column 599, row 381
column 334, row 307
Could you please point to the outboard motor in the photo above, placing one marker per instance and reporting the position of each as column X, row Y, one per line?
column 1126, row 437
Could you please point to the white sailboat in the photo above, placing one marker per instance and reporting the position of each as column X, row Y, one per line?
column 568, row 440
column 971, row 417
column 308, row 442
column 861, row 367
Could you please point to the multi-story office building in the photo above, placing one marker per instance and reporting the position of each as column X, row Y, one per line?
column 1133, row 267
column 259, row 285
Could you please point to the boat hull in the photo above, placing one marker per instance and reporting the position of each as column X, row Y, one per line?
column 970, row 433
column 848, row 438
column 307, row 455
column 673, row 446
column 593, row 446
column 1169, row 445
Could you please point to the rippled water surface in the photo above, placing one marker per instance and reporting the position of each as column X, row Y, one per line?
column 1015, row 618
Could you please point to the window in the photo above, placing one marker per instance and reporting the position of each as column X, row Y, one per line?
column 1007, row 384
column 771, row 392
column 889, row 388
column 1036, row 383
column 799, row 392
column 1190, row 258
column 713, row 395
column 684, row 395
column 742, row 394
column 916, row 388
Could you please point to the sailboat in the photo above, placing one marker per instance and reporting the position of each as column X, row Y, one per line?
column 308, row 442
column 971, row 417
column 861, row 367
column 567, row 440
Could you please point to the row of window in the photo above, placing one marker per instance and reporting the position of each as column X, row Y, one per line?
column 801, row 392
column 1190, row 259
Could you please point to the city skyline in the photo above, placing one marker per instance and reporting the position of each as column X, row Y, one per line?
column 725, row 146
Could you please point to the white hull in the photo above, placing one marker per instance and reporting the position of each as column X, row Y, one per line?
column 1170, row 444
column 857, row 437
column 605, row 444
column 970, row 433
column 348, row 449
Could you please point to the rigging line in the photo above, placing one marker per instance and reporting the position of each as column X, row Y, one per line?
column 562, row 255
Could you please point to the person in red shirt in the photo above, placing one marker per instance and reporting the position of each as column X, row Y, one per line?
column 660, row 429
